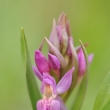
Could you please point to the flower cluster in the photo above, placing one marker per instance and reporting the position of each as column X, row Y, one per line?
column 65, row 65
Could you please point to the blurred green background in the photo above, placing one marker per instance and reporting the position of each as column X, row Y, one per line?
column 90, row 22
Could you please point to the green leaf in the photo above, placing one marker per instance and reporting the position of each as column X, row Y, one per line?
column 30, row 78
column 102, row 101
column 83, row 86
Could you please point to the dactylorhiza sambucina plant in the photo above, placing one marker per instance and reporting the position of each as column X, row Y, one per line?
column 66, row 67
column 62, row 57
column 62, row 47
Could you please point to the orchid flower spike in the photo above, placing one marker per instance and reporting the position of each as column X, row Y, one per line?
column 50, row 91
column 62, row 55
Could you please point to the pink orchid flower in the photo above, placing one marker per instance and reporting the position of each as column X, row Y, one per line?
column 50, row 91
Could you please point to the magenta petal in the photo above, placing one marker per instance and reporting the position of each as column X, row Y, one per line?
column 65, row 82
column 90, row 58
column 37, row 73
column 47, row 76
column 82, row 62
column 41, row 62
column 62, row 105
column 54, row 62
column 47, row 79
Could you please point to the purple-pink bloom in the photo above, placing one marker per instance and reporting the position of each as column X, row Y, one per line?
column 50, row 91
column 41, row 62
column 61, row 57
column 44, row 66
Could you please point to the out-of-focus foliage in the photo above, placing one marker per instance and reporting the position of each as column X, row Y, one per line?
column 90, row 22
column 102, row 101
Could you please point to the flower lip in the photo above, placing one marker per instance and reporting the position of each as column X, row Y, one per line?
column 48, row 104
